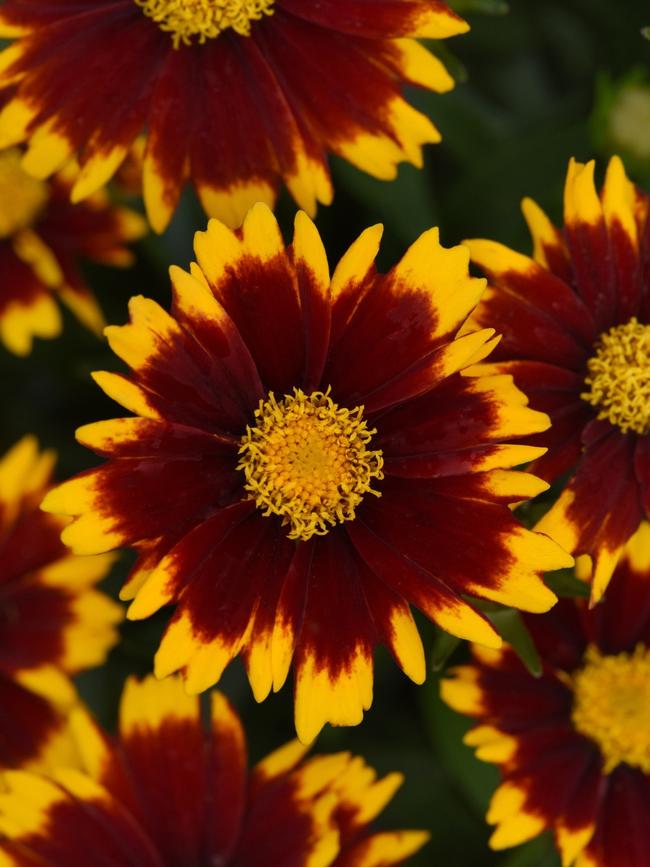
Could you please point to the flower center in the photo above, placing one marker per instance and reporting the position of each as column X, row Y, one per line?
column 204, row 19
column 21, row 196
column 612, row 706
column 307, row 460
column 619, row 377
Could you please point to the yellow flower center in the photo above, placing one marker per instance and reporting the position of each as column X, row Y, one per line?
column 21, row 196
column 204, row 19
column 307, row 460
column 619, row 377
column 612, row 706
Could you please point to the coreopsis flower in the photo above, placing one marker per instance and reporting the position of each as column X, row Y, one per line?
column 52, row 620
column 574, row 744
column 306, row 460
column 42, row 236
column 167, row 791
column 234, row 96
column 576, row 337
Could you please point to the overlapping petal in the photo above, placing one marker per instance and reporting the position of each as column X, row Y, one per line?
column 166, row 791
column 255, row 319
column 554, row 775
column 42, row 238
column 553, row 310
column 54, row 621
column 234, row 114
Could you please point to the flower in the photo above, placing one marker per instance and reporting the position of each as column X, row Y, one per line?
column 573, row 744
column 41, row 237
column 235, row 96
column 306, row 460
column 52, row 620
column 166, row 792
column 576, row 337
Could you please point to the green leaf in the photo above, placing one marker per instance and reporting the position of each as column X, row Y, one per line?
column 476, row 780
column 540, row 852
column 564, row 583
column 509, row 624
column 480, row 7
column 646, row 32
column 444, row 645
column 453, row 64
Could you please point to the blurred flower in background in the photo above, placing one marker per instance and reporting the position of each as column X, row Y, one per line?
column 307, row 460
column 53, row 622
column 575, row 321
column 42, row 237
column 168, row 791
column 574, row 744
column 235, row 97
column 621, row 119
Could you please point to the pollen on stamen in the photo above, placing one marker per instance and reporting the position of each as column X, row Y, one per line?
column 200, row 20
column 612, row 706
column 619, row 377
column 308, row 461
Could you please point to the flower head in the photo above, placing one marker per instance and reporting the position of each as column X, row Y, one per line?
column 41, row 238
column 52, row 620
column 235, row 96
column 306, row 461
column 574, row 744
column 167, row 792
column 576, row 337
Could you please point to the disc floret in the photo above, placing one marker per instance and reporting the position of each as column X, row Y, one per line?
column 200, row 20
column 308, row 461
column 618, row 377
column 612, row 706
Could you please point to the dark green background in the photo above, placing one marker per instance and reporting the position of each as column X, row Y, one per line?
column 536, row 87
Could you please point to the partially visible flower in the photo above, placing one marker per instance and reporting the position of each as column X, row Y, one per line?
column 42, row 237
column 620, row 122
column 574, row 744
column 629, row 120
column 576, row 338
column 236, row 97
column 168, row 791
column 52, row 620
column 307, row 461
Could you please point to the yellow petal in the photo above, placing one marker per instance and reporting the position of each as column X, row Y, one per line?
column 490, row 744
column 282, row 760
column 581, row 201
column 443, row 276
column 357, row 261
column 126, row 393
column 147, row 704
column 422, row 67
column 619, row 200
column 19, row 323
column 47, row 152
column 543, row 232
column 232, row 205
column 388, row 847
column 339, row 699
column 97, row 171
column 308, row 248
column 461, row 691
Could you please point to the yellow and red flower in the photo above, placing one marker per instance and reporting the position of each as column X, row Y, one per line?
column 235, row 96
column 573, row 744
column 306, row 460
column 167, row 792
column 576, row 337
column 52, row 620
column 42, row 235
